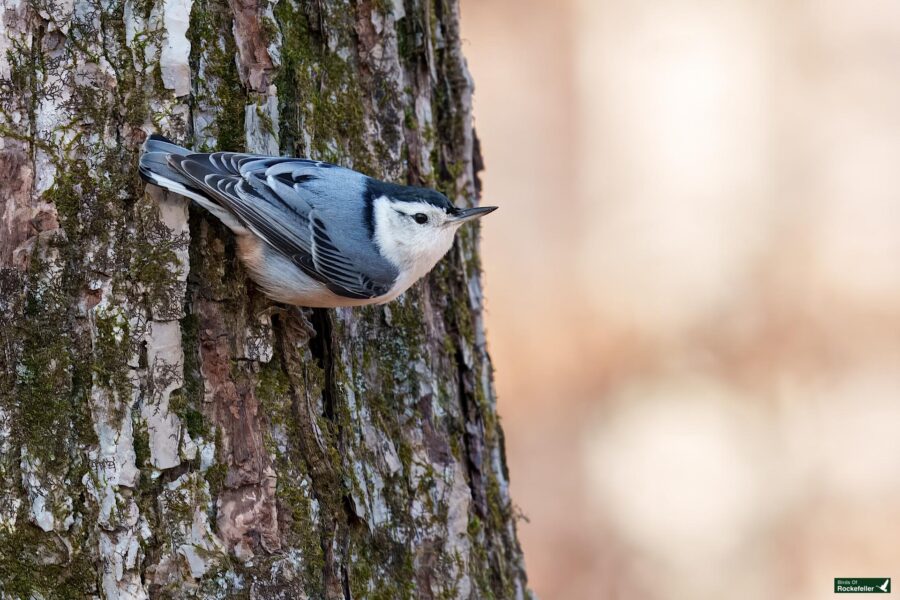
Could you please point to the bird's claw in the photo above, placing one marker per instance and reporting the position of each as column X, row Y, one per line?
column 294, row 321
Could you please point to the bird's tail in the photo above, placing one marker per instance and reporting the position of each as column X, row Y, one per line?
column 154, row 163
column 157, row 167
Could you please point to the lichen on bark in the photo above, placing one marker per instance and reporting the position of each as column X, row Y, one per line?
column 165, row 431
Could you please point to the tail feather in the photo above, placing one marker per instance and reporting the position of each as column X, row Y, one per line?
column 154, row 164
column 158, row 143
column 159, row 165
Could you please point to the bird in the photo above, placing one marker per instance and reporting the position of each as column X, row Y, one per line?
column 884, row 586
column 310, row 233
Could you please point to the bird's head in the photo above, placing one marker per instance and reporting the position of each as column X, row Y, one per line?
column 414, row 227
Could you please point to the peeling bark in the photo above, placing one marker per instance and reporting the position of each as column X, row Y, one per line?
column 255, row 64
column 165, row 431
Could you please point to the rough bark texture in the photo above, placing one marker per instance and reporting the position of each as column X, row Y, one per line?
column 163, row 432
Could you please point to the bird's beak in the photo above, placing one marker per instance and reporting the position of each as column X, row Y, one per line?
column 470, row 214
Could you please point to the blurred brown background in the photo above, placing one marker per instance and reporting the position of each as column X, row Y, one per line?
column 694, row 289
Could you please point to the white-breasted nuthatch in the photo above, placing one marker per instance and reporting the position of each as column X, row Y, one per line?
column 311, row 233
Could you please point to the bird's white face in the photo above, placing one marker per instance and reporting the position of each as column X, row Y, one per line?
column 413, row 235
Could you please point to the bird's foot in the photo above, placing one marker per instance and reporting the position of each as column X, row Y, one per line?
column 294, row 320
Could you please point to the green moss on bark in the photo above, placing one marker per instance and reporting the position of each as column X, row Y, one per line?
column 320, row 97
column 218, row 87
column 25, row 568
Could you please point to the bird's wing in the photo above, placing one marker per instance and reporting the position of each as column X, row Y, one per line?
column 311, row 212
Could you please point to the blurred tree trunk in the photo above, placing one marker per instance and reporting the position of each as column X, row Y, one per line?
column 163, row 434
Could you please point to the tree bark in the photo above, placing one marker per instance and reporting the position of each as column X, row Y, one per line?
column 165, row 430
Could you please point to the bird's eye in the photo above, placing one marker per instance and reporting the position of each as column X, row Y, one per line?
column 420, row 218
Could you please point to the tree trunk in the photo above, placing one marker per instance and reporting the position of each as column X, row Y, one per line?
column 165, row 432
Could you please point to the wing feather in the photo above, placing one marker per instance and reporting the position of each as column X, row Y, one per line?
column 329, row 261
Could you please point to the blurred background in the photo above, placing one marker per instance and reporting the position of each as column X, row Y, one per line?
column 694, row 289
